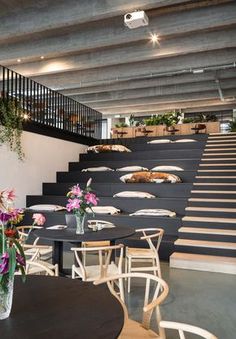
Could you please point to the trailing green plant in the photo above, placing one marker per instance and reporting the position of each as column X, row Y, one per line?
column 205, row 118
column 232, row 126
column 121, row 124
column 11, row 125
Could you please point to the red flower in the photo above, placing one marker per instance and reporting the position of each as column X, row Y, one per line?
column 10, row 233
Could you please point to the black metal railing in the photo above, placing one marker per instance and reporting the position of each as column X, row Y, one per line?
column 45, row 107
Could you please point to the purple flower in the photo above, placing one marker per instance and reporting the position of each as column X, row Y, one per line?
column 73, row 204
column 4, row 266
column 20, row 260
column 4, row 217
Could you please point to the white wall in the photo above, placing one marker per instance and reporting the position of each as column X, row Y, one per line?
column 44, row 156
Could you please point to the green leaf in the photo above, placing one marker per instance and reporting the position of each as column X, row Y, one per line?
column 19, row 247
column 12, row 261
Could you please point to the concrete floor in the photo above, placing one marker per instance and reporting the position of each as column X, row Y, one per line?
column 199, row 298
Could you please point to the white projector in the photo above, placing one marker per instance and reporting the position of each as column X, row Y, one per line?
column 136, row 19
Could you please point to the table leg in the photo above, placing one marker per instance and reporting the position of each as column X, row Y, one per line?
column 57, row 255
column 113, row 254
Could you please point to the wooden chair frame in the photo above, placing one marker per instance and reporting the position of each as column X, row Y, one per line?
column 153, row 258
column 49, row 269
column 181, row 328
column 104, row 259
column 151, row 303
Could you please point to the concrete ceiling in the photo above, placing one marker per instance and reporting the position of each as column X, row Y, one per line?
column 91, row 56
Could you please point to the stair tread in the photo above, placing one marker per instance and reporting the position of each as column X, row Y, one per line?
column 216, row 159
column 221, row 137
column 213, row 154
column 213, row 192
column 219, row 164
column 216, row 171
column 221, row 134
column 203, row 257
column 205, row 243
column 220, row 149
column 207, row 231
column 210, row 219
column 212, row 200
column 216, row 144
column 215, row 177
column 210, row 209
column 214, row 184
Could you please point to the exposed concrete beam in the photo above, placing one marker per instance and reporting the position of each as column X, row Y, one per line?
column 227, row 107
column 197, row 42
column 151, row 82
column 156, row 91
column 153, row 108
column 47, row 15
column 161, row 99
column 97, row 35
column 181, row 63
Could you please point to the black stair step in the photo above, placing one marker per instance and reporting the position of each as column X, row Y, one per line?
column 163, row 190
column 168, row 146
column 186, row 176
column 211, row 214
column 165, row 154
column 186, row 164
column 219, row 204
column 216, row 186
column 197, row 193
column 207, row 251
column 206, row 224
column 214, row 178
column 208, row 237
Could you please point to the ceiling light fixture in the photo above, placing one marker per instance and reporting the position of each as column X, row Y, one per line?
column 42, row 57
column 154, row 38
column 18, row 60
column 200, row 70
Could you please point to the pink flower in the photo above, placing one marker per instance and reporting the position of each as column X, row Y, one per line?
column 76, row 191
column 39, row 219
column 91, row 199
column 73, row 204
column 8, row 195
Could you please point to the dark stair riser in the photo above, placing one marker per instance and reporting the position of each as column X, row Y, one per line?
column 163, row 190
column 214, row 180
column 212, row 195
column 221, row 160
column 207, row 237
column 212, row 204
column 170, row 225
column 165, row 154
column 190, row 164
column 143, row 139
column 202, row 224
column 215, row 187
column 213, row 214
column 207, row 251
column 167, row 146
column 112, row 176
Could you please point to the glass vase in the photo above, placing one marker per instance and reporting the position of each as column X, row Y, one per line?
column 6, row 296
column 80, row 219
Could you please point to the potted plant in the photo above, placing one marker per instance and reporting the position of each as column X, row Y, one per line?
column 79, row 202
column 11, row 125
column 232, row 126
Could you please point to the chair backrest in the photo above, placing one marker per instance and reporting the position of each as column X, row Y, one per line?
column 104, row 258
column 181, row 328
column 155, row 292
column 34, row 267
column 152, row 235
column 200, row 126
column 24, row 232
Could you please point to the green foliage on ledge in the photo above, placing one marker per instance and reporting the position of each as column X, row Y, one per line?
column 11, row 125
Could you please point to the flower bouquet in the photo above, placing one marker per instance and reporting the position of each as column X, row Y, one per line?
column 12, row 257
column 79, row 202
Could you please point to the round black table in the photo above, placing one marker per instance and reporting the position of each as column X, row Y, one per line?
column 58, row 237
column 53, row 308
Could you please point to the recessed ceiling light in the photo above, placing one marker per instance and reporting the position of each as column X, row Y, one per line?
column 154, row 38
column 42, row 57
column 196, row 71
column 18, row 60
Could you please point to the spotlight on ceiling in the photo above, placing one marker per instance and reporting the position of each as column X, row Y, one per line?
column 136, row 19
column 199, row 70
column 154, row 38
column 42, row 57
column 18, row 60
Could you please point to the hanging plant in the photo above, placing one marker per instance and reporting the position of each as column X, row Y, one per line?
column 11, row 125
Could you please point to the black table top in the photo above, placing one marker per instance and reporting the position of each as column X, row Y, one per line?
column 69, row 235
column 52, row 308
